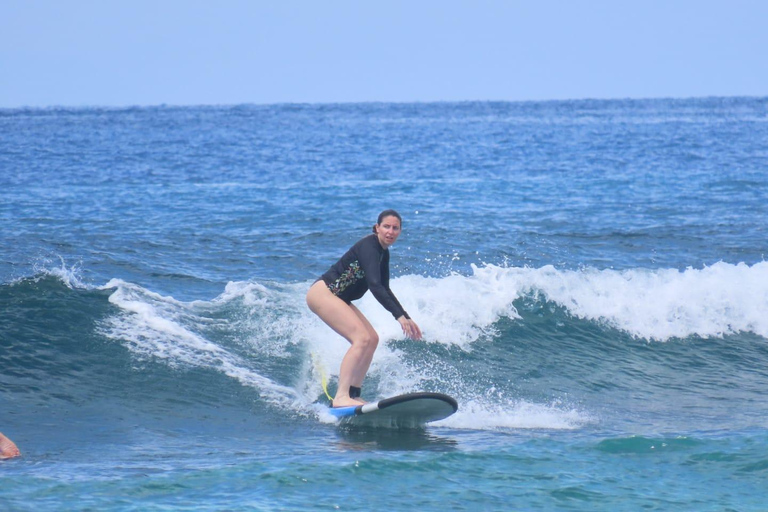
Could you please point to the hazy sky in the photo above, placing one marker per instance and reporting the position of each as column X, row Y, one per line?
column 177, row 52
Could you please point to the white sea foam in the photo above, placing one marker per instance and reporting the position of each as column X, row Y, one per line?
column 480, row 415
column 161, row 327
column 276, row 316
column 272, row 320
column 267, row 319
column 69, row 275
column 661, row 304
column 657, row 305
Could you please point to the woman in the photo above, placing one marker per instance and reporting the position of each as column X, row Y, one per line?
column 364, row 267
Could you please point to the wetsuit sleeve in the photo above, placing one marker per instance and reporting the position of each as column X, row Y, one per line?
column 371, row 260
column 385, row 281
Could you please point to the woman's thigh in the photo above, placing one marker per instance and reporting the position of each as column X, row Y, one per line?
column 343, row 318
column 371, row 331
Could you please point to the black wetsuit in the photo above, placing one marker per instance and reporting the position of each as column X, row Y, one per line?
column 364, row 267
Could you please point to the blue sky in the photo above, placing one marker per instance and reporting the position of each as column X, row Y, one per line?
column 119, row 53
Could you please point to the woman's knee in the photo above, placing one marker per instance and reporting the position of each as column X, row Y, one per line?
column 367, row 340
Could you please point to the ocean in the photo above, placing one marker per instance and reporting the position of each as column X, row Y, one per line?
column 590, row 278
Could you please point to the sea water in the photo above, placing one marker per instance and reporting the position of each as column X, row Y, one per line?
column 590, row 278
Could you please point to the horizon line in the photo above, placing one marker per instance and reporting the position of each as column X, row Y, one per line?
column 128, row 106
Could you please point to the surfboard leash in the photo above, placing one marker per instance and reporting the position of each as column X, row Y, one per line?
column 323, row 378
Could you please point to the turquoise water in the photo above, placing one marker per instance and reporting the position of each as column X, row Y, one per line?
column 589, row 277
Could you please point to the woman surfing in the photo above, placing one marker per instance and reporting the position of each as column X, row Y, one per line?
column 365, row 266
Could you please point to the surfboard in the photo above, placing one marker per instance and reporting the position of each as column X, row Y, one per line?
column 412, row 410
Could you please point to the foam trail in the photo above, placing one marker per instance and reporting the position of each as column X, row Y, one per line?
column 150, row 326
column 480, row 415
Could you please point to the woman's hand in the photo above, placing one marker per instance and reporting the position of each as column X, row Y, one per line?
column 410, row 328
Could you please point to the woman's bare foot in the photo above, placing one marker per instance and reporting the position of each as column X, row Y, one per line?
column 346, row 401
column 8, row 449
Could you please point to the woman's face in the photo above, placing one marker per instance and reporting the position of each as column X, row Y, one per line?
column 388, row 230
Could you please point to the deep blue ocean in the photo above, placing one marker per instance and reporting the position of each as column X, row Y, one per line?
column 590, row 277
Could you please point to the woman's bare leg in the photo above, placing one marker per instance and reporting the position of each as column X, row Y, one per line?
column 346, row 320
column 357, row 378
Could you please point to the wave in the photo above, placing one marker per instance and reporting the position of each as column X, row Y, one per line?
column 488, row 338
column 657, row 305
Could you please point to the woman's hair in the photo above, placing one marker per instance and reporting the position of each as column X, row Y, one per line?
column 385, row 214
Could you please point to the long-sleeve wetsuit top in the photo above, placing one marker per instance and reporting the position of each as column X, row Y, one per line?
column 364, row 267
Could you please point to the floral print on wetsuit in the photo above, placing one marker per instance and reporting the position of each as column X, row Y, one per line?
column 350, row 276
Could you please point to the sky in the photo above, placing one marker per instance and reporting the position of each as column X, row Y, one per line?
column 224, row 52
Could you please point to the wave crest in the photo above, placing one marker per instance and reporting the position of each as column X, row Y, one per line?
column 659, row 305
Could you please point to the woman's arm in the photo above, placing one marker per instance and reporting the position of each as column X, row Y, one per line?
column 375, row 264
